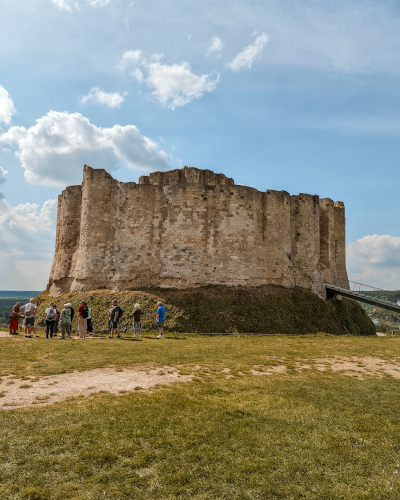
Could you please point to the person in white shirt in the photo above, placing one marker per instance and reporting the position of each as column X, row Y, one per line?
column 50, row 318
column 29, row 311
column 89, row 322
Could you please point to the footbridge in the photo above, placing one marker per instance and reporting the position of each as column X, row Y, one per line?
column 355, row 293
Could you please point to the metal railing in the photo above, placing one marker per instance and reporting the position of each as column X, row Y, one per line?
column 362, row 287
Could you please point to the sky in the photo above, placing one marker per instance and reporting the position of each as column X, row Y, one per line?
column 299, row 95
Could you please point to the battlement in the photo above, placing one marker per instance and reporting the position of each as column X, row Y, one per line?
column 188, row 175
column 189, row 227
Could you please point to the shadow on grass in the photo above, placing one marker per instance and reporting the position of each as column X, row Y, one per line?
column 130, row 339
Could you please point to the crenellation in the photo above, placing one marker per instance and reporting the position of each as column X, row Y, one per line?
column 190, row 227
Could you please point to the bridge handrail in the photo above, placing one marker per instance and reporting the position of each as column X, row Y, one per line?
column 367, row 286
column 345, row 292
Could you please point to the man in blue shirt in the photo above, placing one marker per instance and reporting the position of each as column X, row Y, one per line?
column 161, row 313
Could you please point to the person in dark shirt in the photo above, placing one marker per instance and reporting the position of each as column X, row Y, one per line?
column 136, row 320
column 72, row 311
column 114, row 318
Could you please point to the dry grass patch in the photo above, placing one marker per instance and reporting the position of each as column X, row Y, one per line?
column 81, row 384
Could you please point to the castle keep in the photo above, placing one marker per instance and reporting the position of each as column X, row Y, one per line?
column 190, row 227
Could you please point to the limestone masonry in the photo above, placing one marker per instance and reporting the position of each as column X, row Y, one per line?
column 190, row 227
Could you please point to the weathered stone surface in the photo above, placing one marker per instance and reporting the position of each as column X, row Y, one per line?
column 190, row 227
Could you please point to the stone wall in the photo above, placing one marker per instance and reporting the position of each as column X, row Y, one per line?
column 190, row 227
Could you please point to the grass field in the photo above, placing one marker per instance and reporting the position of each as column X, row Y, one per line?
column 224, row 435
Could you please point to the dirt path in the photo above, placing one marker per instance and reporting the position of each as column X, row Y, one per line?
column 16, row 393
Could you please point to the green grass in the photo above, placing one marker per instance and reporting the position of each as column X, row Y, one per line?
column 40, row 357
column 295, row 436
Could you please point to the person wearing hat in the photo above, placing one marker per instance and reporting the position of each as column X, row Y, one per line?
column 65, row 321
column 82, row 319
column 57, row 320
column 50, row 318
column 72, row 311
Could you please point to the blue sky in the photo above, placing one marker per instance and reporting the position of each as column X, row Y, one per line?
column 298, row 95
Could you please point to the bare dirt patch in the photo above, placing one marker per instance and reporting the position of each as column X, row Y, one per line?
column 356, row 366
column 69, row 386
column 268, row 370
column 351, row 366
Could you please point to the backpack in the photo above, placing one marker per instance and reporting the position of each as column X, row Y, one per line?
column 29, row 308
column 51, row 315
column 120, row 313
column 85, row 312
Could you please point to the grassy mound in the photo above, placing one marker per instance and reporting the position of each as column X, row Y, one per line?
column 219, row 309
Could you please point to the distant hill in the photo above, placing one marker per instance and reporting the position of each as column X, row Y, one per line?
column 382, row 314
column 19, row 293
column 9, row 297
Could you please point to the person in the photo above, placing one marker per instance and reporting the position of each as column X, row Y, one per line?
column 136, row 320
column 109, row 322
column 50, row 317
column 160, row 317
column 81, row 319
column 72, row 310
column 14, row 317
column 65, row 321
column 72, row 313
column 89, row 322
column 29, row 311
column 57, row 320
column 114, row 318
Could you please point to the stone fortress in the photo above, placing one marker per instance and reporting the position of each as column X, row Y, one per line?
column 189, row 227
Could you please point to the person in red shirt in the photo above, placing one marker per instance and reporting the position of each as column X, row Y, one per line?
column 82, row 320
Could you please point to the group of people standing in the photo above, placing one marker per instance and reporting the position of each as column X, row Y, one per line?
column 54, row 318
column 64, row 319
column 29, row 315
column 115, row 313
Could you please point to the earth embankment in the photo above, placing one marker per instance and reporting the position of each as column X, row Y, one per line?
column 218, row 309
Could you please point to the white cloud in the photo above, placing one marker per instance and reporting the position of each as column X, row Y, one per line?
column 138, row 151
column 376, row 250
column 53, row 151
column 27, row 234
column 173, row 85
column 3, row 179
column 375, row 260
column 70, row 5
column 5, row 150
column 249, row 54
column 176, row 85
column 3, row 174
column 216, row 45
column 28, row 216
column 66, row 5
column 27, row 274
column 137, row 74
column 130, row 57
column 98, row 3
column 7, row 109
column 112, row 100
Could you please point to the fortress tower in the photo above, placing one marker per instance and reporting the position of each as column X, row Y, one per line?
column 190, row 227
